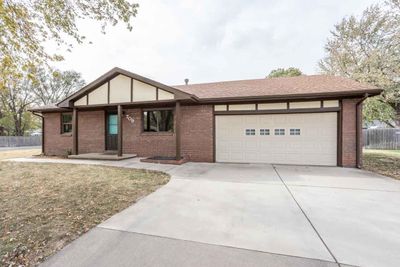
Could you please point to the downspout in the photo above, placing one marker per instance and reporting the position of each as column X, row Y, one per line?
column 41, row 116
column 358, row 131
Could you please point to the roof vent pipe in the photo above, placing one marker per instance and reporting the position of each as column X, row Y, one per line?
column 186, row 81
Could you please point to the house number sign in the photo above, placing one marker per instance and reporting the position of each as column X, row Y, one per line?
column 130, row 118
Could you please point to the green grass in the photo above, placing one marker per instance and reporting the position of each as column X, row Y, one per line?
column 386, row 162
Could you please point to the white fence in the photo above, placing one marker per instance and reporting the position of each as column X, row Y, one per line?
column 13, row 141
column 381, row 138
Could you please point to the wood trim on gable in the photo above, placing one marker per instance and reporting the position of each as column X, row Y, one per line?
column 181, row 95
column 108, row 92
column 131, row 89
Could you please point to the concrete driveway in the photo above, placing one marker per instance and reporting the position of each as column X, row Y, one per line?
column 250, row 215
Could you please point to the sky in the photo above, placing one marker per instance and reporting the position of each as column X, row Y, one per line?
column 212, row 40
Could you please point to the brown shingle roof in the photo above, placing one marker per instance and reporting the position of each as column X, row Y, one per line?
column 300, row 85
column 312, row 86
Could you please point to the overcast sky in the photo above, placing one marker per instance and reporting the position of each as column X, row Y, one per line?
column 213, row 40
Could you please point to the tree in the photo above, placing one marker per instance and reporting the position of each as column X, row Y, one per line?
column 14, row 102
column 26, row 25
column 281, row 72
column 20, row 94
column 367, row 49
column 52, row 86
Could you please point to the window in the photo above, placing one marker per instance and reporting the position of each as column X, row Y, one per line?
column 279, row 131
column 66, row 123
column 250, row 131
column 158, row 121
column 264, row 131
column 294, row 131
column 112, row 124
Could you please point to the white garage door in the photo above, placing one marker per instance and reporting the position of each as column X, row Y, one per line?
column 306, row 139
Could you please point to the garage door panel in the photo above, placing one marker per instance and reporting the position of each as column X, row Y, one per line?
column 251, row 145
column 316, row 144
column 235, row 147
column 251, row 120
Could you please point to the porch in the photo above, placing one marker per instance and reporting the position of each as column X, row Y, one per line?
column 123, row 132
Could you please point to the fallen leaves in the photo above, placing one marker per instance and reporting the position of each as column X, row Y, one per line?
column 49, row 205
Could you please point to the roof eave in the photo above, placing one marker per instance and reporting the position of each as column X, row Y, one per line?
column 44, row 110
column 343, row 94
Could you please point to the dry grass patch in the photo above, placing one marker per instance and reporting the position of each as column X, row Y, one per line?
column 45, row 206
column 9, row 154
column 386, row 162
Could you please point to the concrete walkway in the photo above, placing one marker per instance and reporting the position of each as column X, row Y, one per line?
column 248, row 215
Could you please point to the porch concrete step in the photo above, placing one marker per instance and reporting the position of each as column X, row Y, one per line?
column 102, row 156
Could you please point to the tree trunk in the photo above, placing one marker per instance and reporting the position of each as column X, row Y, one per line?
column 18, row 124
column 397, row 115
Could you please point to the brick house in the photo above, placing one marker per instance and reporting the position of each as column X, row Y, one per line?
column 305, row 120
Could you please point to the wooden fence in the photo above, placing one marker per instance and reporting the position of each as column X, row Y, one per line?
column 13, row 141
column 381, row 138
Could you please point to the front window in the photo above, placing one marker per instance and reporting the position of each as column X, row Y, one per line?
column 66, row 123
column 158, row 121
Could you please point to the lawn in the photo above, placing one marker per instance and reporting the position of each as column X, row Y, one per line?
column 43, row 206
column 19, row 153
column 386, row 162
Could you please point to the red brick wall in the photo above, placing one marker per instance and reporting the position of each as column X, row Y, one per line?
column 145, row 144
column 55, row 143
column 196, row 135
column 349, row 146
column 91, row 130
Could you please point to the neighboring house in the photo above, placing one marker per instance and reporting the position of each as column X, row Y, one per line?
column 308, row 120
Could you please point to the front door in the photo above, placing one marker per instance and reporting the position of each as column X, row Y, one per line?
column 112, row 131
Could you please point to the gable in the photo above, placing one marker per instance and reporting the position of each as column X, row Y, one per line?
column 123, row 89
column 143, row 92
column 120, row 89
column 98, row 96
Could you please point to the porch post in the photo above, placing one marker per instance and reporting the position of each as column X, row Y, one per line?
column 119, row 130
column 43, row 134
column 178, row 129
column 74, row 132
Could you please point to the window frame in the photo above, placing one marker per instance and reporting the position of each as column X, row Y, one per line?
column 143, row 131
column 281, row 131
column 62, row 123
column 251, row 131
column 295, row 131
column 265, row 131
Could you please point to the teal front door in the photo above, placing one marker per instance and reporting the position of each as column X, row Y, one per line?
column 112, row 131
